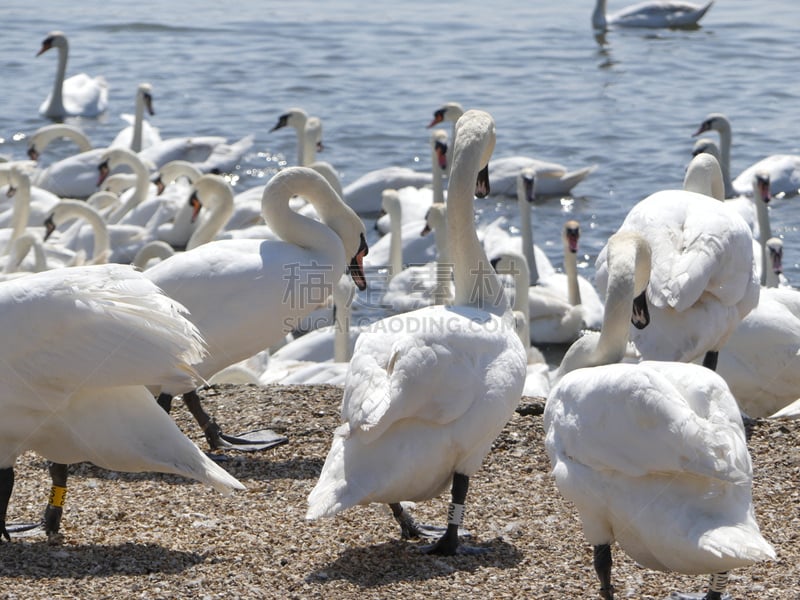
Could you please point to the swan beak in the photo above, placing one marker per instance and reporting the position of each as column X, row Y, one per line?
column 46, row 45
column 11, row 191
column 640, row 317
column 320, row 147
column 438, row 117
column 482, row 187
column 49, row 227
column 148, row 103
column 763, row 188
column 103, row 170
column 33, row 153
column 530, row 188
column 282, row 120
column 704, row 126
column 196, row 205
column 356, row 268
column 159, row 183
column 777, row 260
column 425, row 230
column 573, row 234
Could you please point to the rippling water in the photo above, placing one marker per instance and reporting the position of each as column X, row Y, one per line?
column 375, row 73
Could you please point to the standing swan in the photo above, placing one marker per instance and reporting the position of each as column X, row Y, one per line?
column 434, row 386
column 653, row 14
column 246, row 294
column 78, row 96
column 652, row 455
column 86, row 340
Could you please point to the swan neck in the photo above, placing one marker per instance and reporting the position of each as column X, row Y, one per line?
column 396, row 240
column 102, row 243
column 140, row 190
column 220, row 208
column 56, row 107
column 136, row 139
column 21, row 214
column 526, row 233
column 342, row 298
column 571, row 270
column 599, row 15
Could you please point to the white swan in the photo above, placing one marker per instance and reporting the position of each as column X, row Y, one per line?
column 435, row 385
column 79, row 395
column 133, row 209
column 247, row 294
column 703, row 281
column 42, row 137
column 650, row 14
column 783, row 169
column 31, row 204
column 210, row 153
column 552, row 179
column 653, row 455
column 78, row 96
column 139, row 134
column 309, row 134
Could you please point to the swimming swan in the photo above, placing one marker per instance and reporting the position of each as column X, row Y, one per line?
column 77, row 96
column 650, row 14
column 435, row 385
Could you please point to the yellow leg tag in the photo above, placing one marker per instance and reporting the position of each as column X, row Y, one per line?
column 57, row 495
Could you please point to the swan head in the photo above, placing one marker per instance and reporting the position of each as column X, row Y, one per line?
column 706, row 145
column 715, row 122
column 775, row 249
column 761, row 190
column 54, row 39
column 479, row 122
column 704, row 176
column 145, row 93
column 625, row 246
column 439, row 147
column 294, row 117
column 451, row 111
column 570, row 234
column 526, row 180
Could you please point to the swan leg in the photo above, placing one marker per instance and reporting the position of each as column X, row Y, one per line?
column 448, row 544
column 716, row 590
column 217, row 440
column 165, row 401
column 710, row 360
column 6, row 485
column 602, row 566
column 55, row 506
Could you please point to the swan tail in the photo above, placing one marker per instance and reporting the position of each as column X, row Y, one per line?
column 743, row 542
column 326, row 499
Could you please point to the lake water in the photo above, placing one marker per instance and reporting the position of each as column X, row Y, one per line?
column 374, row 72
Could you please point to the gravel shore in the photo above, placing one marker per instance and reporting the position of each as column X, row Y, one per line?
column 159, row 536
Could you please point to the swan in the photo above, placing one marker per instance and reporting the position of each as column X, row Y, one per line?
column 210, row 153
column 552, row 179
column 78, row 395
column 139, row 134
column 703, row 281
column 413, row 286
column 783, row 169
column 133, row 209
column 653, row 455
column 309, row 133
column 435, row 385
column 247, row 294
column 78, row 96
column 31, row 204
column 537, row 380
column 650, row 14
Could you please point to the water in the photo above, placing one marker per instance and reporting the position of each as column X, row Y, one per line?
column 374, row 72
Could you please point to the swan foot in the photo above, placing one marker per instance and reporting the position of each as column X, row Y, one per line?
column 449, row 545
column 251, row 441
column 411, row 530
column 699, row 596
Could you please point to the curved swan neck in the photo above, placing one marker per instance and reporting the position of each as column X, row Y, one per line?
column 119, row 156
column 67, row 209
column 570, row 237
column 298, row 229
column 56, row 106
column 22, row 205
column 43, row 136
column 19, row 250
column 217, row 197
column 476, row 283
column 142, row 102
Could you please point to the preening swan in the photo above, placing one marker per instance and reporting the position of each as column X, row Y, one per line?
column 652, row 455
column 703, row 281
column 246, row 294
column 552, row 179
column 650, row 14
column 435, row 385
column 783, row 169
column 86, row 340
column 77, row 96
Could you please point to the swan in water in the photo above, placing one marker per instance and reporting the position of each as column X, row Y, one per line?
column 552, row 179
column 783, row 169
column 77, row 96
column 653, row 455
column 245, row 295
column 309, row 134
column 703, row 281
column 58, row 402
column 435, row 385
column 653, row 14
column 139, row 134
